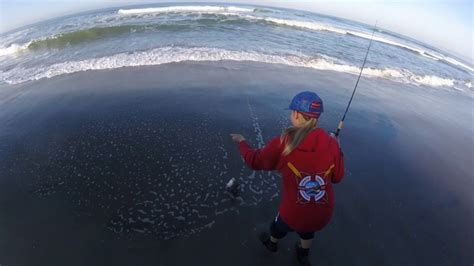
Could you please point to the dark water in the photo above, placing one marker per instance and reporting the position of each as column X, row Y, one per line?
column 96, row 169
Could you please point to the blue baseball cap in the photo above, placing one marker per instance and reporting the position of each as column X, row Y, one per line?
column 308, row 103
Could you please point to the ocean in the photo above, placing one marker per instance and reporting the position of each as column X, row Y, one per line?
column 115, row 146
column 145, row 35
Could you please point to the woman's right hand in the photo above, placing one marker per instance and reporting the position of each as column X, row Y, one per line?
column 237, row 137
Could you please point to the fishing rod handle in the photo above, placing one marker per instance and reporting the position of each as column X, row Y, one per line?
column 340, row 126
column 338, row 129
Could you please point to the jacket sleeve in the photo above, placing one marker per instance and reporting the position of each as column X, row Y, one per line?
column 338, row 173
column 265, row 158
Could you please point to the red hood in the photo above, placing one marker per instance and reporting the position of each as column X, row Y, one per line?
column 315, row 140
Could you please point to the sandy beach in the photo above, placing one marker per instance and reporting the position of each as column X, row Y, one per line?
column 129, row 166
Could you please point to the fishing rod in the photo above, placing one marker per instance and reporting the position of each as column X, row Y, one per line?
column 341, row 123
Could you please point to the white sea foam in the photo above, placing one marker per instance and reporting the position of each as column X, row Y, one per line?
column 184, row 9
column 431, row 80
column 312, row 25
column 299, row 24
column 455, row 62
column 387, row 41
column 13, row 49
column 172, row 54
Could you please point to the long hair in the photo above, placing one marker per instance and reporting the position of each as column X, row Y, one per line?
column 293, row 136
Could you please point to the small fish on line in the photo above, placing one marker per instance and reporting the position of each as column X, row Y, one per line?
column 233, row 187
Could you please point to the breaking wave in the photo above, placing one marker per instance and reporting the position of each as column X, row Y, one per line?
column 311, row 25
column 92, row 34
column 81, row 36
column 14, row 49
column 184, row 9
column 322, row 27
column 243, row 13
column 171, row 54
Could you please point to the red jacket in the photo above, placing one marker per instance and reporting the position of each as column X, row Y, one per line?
column 307, row 200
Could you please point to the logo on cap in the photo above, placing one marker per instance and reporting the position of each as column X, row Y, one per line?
column 308, row 103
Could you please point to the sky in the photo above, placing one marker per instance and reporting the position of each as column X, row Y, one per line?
column 446, row 24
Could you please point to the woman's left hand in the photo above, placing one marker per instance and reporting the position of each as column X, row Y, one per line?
column 237, row 137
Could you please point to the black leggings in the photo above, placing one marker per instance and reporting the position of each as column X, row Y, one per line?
column 279, row 229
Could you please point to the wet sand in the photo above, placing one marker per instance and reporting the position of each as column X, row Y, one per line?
column 128, row 167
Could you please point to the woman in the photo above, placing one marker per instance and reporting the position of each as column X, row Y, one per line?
column 309, row 160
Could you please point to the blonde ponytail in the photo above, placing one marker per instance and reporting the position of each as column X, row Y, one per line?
column 293, row 136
